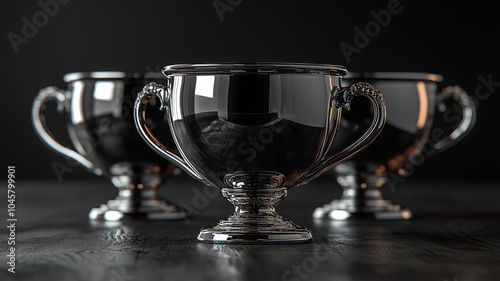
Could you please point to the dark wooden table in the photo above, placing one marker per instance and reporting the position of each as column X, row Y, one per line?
column 455, row 235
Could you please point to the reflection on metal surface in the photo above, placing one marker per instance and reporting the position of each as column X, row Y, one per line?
column 336, row 215
column 423, row 104
column 76, row 102
column 104, row 90
column 111, row 216
column 106, row 75
column 434, row 77
column 205, row 86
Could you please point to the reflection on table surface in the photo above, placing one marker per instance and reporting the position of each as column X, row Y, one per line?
column 454, row 234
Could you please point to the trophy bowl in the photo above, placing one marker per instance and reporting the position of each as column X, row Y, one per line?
column 255, row 130
column 409, row 138
column 100, row 126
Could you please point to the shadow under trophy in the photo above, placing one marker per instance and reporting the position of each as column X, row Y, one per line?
column 256, row 130
column 98, row 106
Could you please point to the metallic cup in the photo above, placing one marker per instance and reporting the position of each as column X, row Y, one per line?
column 255, row 131
column 409, row 138
column 100, row 125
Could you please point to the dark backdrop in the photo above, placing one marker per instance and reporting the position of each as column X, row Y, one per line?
column 454, row 38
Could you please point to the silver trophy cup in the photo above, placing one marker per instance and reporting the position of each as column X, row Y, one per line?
column 409, row 138
column 98, row 108
column 255, row 131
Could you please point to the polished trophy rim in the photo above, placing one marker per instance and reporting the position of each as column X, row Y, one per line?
column 263, row 68
column 106, row 75
column 381, row 75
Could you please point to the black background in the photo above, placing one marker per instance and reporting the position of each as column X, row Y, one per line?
column 456, row 39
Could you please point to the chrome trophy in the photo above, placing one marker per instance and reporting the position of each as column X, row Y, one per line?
column 410, row 136
column 255, row 130
column 100, row 125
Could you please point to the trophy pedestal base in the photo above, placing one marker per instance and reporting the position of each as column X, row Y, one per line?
column 255, row 220
column 362, row 195
column 231, row 232
column 119, row 210
column 345, row 209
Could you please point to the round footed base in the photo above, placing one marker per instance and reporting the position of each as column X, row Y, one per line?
column 227, row 235
column 115, row 210
column 255, row 221
column 377, row 210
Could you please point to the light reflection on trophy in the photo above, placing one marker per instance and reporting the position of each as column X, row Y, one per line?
column 105, row 141
column 256, row 131
column 409, row 138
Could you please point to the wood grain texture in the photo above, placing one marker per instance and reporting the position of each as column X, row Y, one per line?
column 455, row 235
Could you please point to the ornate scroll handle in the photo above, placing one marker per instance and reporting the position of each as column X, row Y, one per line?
column 154, row 90
column 341, row 97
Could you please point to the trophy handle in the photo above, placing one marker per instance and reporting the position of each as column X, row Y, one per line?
column 468, row 121
column 342, row 97
column 38, row 119
column 154, row 90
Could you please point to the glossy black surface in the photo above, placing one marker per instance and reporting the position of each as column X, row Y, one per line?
column 454, row 236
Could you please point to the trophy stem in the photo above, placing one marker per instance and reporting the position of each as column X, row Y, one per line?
column 362, row 197
column 137, row 196
column 255, row 220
